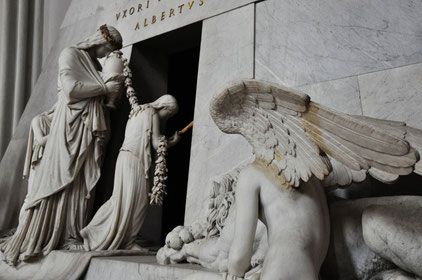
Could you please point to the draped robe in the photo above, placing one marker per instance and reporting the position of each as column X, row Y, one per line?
column 54, row 210
column 118, row 221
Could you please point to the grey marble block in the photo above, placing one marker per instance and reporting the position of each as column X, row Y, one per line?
column 136, row 268
column 394, row 94
column 226, row 54
column 341, row 95
column 304, row 42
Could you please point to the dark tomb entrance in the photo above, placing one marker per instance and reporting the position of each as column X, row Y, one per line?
column 164, row 64
column 183, row 70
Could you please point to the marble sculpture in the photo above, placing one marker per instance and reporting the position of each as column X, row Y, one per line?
column 299, row 148
column 208, row 242
column 72, row 137
column 118, row 221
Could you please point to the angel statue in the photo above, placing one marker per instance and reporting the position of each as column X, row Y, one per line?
column 294, row 141
column 118, row 221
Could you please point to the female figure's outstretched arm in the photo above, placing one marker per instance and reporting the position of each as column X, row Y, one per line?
column 156, row 135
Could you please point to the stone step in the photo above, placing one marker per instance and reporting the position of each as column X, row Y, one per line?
column 136, row 267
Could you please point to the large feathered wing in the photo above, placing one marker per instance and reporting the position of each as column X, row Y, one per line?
column 288, row 131
column 412, row 135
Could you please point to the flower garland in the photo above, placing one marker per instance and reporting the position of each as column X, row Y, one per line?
column 160, row 173
column 130, row 91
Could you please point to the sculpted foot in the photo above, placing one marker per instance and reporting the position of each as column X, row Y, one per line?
column 136, row 247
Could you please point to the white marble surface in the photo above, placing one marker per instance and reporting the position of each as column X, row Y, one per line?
column 394, row 94
column 226, row 54
column 348, row 256
column 395, row 233
column 136, row 268
column 154, row 17
column 341, row 95
column 68, row 265
column 304, row 42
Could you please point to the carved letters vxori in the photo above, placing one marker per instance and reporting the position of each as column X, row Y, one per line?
column 140, row 9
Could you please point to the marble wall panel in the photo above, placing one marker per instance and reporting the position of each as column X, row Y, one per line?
column 394, row 94
column 226, row 54
column 341, row 95
column 80, row 9
column 301, row 42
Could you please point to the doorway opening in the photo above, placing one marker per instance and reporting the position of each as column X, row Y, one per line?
column 166, row 64
column 181, row 84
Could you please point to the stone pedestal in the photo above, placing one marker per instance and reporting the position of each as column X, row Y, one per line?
column 137, row 268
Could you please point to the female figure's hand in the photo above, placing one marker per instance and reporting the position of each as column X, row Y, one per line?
column 173, row 140
column 114, row 87
column 42, row 141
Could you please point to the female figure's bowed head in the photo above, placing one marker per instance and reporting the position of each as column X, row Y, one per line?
column 117, row 223
column 61, row 179
column 100, row 44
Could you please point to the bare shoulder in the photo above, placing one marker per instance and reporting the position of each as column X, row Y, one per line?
column 249, row 177
column 248, row 172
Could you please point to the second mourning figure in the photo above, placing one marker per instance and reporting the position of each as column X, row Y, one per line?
column 118, row 221
column 296, row 144
column 55, row 208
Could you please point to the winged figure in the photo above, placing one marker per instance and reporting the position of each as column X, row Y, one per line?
column 300, row 147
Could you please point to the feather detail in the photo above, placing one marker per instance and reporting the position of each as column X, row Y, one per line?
column 355, row 131
column 294, row 135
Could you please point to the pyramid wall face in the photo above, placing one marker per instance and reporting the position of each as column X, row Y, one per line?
column 354, row 56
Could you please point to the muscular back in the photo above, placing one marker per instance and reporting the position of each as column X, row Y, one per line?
column 296, row 219
column 293, row 210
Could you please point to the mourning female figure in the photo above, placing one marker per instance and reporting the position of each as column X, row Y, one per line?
column 118, row 221
column 60, row 182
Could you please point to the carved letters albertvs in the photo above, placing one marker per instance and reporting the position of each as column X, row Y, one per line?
column 140, row 10
column 142, row 19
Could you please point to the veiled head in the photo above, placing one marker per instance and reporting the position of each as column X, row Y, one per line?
column 105, row 40
column 167, row 106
